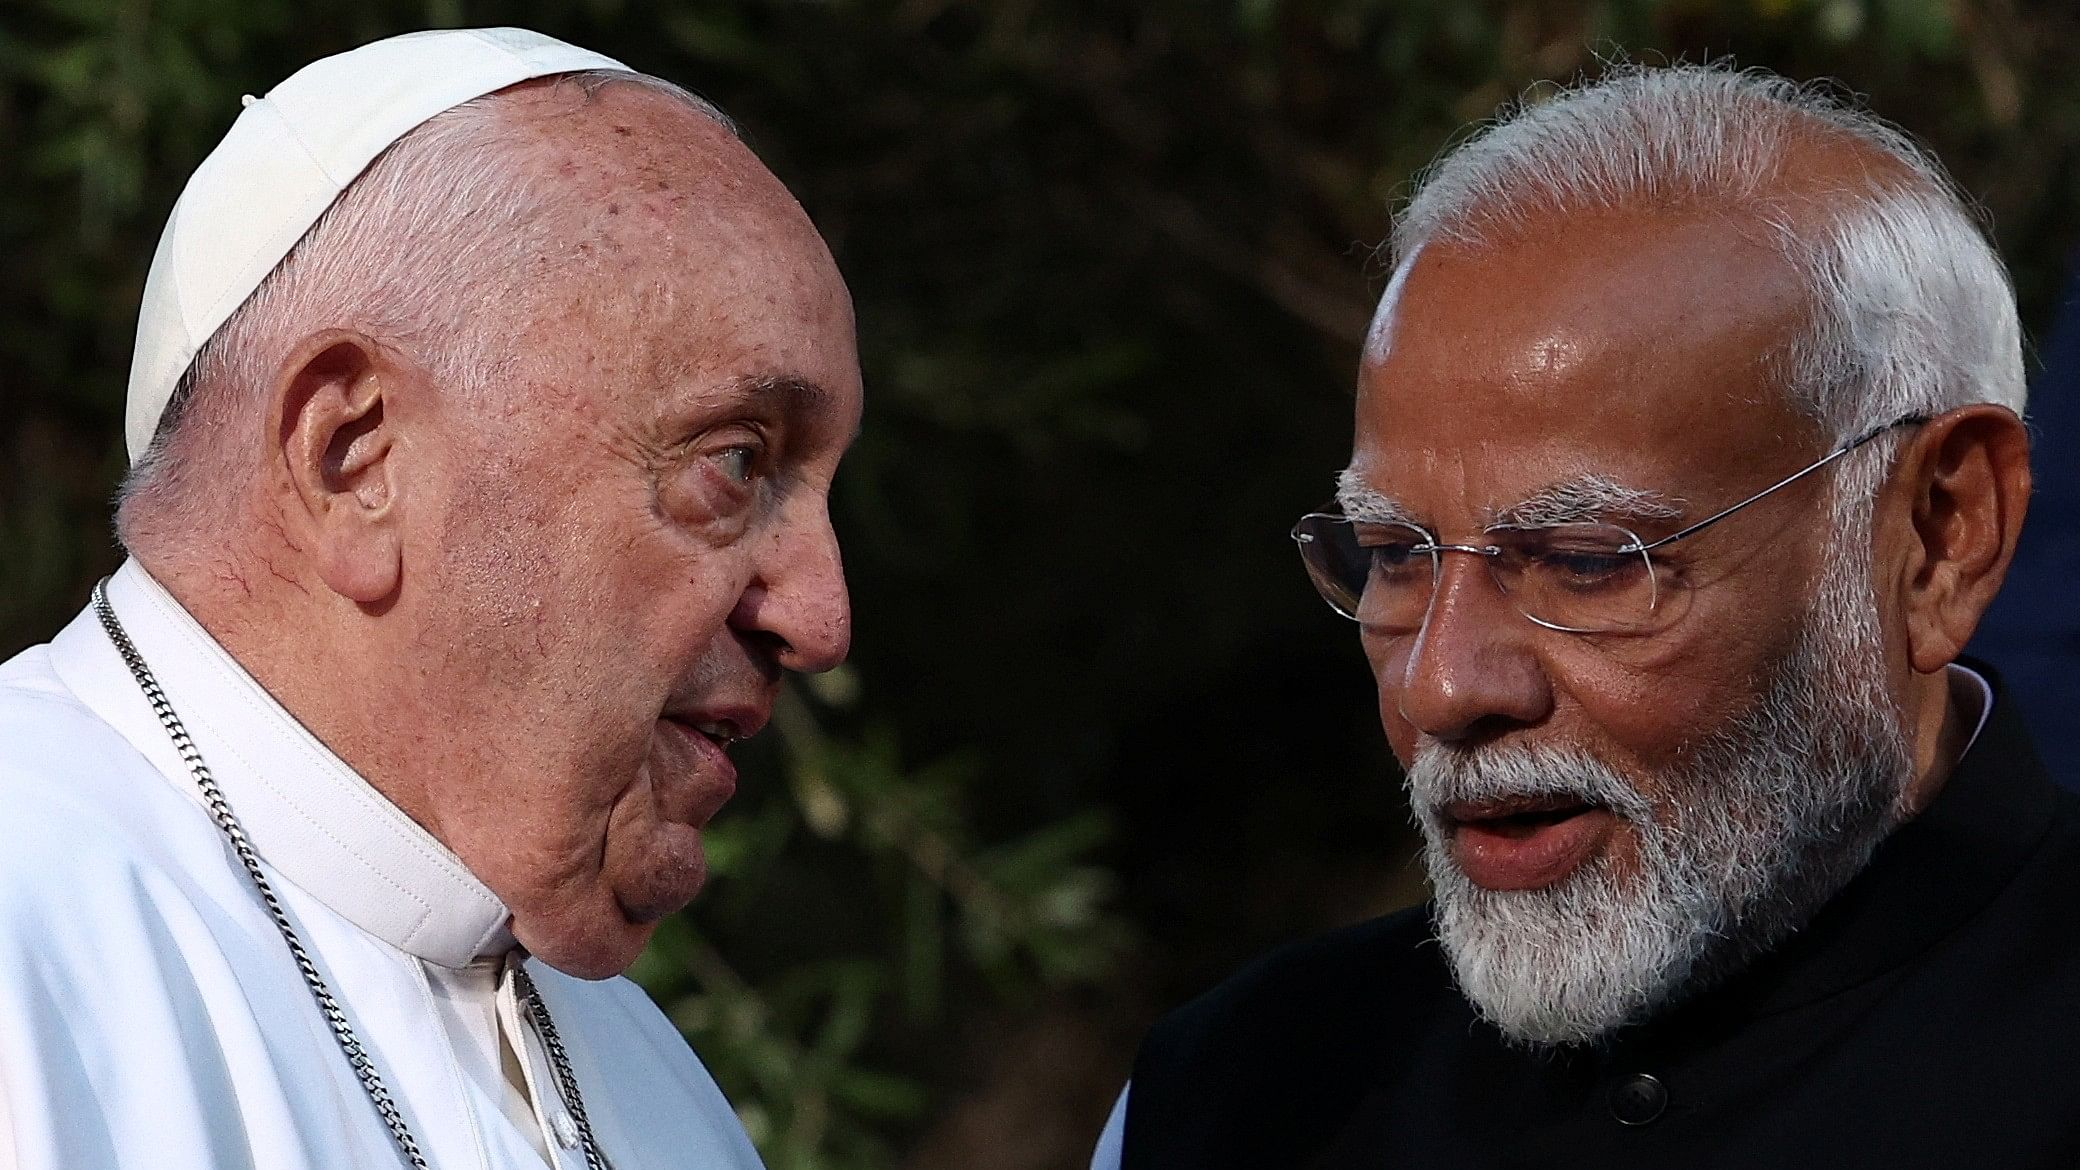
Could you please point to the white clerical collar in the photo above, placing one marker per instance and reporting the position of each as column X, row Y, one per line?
column 1984, row 690
column 316, row 823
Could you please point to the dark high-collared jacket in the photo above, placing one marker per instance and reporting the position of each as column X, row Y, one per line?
column 1929, row 1016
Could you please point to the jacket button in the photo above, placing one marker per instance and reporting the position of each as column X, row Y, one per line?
column 1638, row 1099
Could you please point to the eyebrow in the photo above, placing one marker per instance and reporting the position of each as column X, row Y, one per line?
column 1361, row 501
column 786, row 390
column 1581, row 499
column 791, row 395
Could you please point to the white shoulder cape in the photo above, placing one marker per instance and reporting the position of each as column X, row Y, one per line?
column 151, row 1017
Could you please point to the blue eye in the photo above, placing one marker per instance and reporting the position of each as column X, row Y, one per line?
column 736, row 463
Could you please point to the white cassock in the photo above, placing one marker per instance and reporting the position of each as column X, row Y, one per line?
column 151, row 1015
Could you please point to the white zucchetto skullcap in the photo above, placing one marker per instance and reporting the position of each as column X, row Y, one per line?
column 284, row 161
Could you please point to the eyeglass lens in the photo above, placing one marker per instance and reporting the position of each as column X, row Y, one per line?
column 1590, row 578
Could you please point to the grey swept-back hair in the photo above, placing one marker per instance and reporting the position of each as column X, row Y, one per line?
column 1911, row 309
column 429, row 249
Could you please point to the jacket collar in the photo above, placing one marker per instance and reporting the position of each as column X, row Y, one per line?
column 316, row 823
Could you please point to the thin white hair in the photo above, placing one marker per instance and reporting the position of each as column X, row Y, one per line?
column 1911, row 310
column 432, row 249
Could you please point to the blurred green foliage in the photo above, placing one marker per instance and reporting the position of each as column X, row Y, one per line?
column 791, row 1045
column 1111, row 262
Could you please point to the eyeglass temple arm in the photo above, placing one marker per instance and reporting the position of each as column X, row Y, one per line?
column 1787, row 481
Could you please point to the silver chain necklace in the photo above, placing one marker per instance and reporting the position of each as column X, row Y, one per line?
column 328, row 1006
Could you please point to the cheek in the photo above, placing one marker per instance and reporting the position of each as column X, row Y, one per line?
column 1645, row 703
column 658, row 575
column 1644, row 720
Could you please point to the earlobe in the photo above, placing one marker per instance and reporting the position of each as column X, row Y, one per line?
column 335, row 432
column 1968, row 473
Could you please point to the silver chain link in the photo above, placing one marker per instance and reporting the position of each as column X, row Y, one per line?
column 335, row 1016
column 560, row 1061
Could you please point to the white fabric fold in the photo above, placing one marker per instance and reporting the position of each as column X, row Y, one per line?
column 150, row 1013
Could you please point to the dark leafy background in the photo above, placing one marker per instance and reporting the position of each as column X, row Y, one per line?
column 1099, row 741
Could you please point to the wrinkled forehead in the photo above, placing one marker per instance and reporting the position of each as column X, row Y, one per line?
column 1621, row 362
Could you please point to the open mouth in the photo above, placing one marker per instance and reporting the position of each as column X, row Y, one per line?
column 696, row 795
column 1520, row 816
column 1524, row 843
column 721, row 733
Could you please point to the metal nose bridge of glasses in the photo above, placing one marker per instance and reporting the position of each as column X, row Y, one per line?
column 1435, row 548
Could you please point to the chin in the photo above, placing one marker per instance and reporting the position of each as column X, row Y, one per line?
column 598, row 930
column 658, row 879
column 584, row 952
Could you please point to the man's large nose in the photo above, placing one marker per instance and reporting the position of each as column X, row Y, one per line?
column 798, row 596
column 1473, row 670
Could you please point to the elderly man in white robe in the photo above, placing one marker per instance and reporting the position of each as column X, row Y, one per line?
column 486, row 401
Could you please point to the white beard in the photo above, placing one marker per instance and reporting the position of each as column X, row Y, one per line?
column 1763, row 823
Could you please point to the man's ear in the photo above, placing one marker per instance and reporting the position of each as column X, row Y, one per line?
column 1966, row 477
column 335, row 441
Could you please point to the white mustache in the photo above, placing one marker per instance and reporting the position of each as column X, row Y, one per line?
column 1442, row 775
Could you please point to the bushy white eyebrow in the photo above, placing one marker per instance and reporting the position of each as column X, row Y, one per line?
column 1583, row 499
column 1361, row 501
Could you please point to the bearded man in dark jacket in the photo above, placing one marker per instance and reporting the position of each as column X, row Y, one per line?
column 1688, row 454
